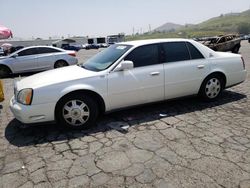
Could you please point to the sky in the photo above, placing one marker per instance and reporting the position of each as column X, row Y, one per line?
column 56, row 18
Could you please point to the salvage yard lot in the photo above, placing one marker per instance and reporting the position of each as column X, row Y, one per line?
column 180, row 143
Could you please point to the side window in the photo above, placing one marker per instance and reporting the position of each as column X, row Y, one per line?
column 194, row 52
column 175, row 51
column 46, row 50
column 144, row 55
column 31, row 51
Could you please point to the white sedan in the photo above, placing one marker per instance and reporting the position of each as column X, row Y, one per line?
column 125, row 74
column 36, row 58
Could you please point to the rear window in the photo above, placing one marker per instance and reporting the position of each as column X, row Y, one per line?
column 194, row 52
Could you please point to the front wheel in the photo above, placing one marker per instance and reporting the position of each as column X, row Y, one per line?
column 77, row 111
column 211, row 87
column 4, row 72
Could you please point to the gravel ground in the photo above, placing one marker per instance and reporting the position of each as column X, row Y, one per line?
column 191, row 144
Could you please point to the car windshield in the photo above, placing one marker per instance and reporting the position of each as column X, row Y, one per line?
column 106, row 58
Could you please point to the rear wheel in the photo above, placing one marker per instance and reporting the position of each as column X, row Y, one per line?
column 212, row 87
column 4, row 72
column 60, row 63
column 77, row 111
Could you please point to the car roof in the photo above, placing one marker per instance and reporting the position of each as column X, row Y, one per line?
column 29, row 47
column 153, row 41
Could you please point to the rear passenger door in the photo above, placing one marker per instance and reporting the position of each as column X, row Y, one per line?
column 185, row 68
column 46, row 58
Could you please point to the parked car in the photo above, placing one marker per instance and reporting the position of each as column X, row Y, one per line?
column 223, row 43
column 123, row 75
column 92, row 46
column 36, row 58
column 1, row 51
column 70, row 47
column 18, row 47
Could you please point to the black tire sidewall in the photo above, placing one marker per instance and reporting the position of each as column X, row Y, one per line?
column 60, row 61
column 202, row 92
column 5, row 72
column 92, row 105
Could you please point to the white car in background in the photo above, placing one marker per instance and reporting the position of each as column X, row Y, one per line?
column 125, row 74
column 36, row 58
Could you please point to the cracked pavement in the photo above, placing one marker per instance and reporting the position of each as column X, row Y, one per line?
column 192, row 144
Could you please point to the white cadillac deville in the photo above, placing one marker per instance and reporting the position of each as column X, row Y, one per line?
column 123, row 75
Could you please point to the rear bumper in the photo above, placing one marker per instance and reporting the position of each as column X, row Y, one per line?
column 236, row 78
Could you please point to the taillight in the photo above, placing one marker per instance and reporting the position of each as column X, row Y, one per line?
column 243, row 62
column 72, row 54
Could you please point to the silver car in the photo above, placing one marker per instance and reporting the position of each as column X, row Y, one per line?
column 36, row 58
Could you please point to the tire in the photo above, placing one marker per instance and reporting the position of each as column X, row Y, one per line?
column 4, row 71
column 77, row 111
column 236, row 49
column 60, row 63
column 212, row 87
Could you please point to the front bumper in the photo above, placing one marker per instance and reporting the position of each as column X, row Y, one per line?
column 32, row 113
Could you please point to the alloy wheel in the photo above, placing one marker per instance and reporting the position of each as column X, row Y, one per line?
column 76, row 112
column 213, row 88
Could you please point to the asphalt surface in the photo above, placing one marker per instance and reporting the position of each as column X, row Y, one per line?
column 181, row 143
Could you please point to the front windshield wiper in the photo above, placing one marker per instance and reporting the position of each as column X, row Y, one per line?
column 89, row 68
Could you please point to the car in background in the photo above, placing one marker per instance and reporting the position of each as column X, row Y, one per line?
column 124, row 75
column 71, row 47
column 36, row 58
column 223, row 43
column 92, row 46
column 18, row 47
column 1, row 51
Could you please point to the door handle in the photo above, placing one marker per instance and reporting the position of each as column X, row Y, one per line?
column 154, row 73
column 200, row 66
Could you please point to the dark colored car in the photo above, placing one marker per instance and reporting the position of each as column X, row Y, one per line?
column 92, row 46
column 68, row 47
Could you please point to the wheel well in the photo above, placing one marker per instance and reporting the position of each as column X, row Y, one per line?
column 6, row 67
column 61, row 60
column 90, row 93
column 221, row 75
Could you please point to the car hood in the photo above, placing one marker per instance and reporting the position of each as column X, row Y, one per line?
column 55, row 76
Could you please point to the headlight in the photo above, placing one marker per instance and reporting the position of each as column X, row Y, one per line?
column 25, row 96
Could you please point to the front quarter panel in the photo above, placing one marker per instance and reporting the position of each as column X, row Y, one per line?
column 53, row 93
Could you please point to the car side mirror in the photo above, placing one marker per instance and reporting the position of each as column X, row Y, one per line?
column 125, row 65
column 14, row 55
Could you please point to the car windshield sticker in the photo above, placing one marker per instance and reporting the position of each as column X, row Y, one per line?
column 121, row 47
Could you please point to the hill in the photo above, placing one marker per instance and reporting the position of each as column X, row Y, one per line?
column 228, row 23
column 167, row 27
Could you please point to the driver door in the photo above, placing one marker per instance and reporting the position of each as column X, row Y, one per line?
column 26, row 61
column 142, row 84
